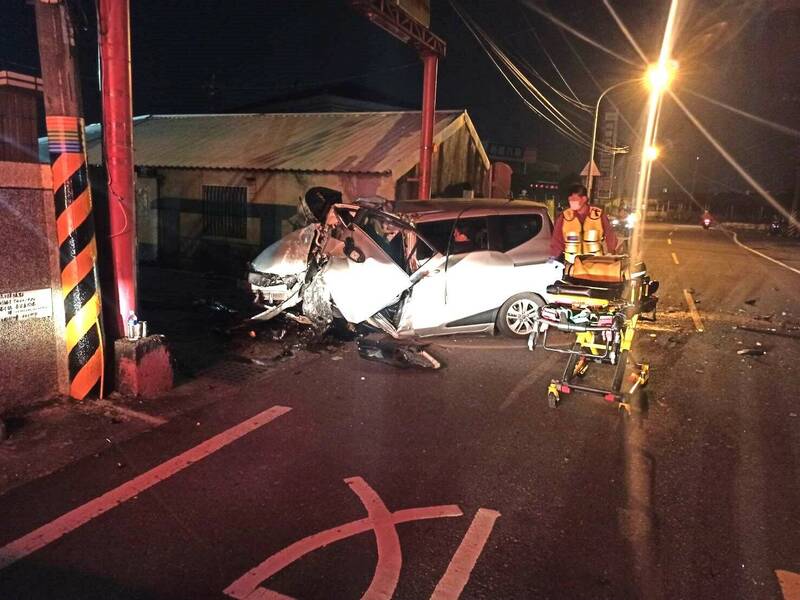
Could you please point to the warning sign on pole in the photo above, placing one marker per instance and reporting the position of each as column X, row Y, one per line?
column 20, row 306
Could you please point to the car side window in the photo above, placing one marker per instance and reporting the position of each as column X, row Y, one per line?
column 511, row 231
column 468, row 235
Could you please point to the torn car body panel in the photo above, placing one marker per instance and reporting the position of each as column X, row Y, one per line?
column 372, row 267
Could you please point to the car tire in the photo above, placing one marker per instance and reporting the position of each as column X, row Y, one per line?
column 515, row 317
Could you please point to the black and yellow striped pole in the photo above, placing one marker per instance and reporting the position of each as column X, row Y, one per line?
column 75, row 233
column 77, row 246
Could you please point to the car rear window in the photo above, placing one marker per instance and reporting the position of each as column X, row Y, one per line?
column 510, row 231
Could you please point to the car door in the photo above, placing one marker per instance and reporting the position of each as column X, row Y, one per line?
column 366, row 279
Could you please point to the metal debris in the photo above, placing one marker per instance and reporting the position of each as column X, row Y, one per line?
column 397, row 354
column 752, row 351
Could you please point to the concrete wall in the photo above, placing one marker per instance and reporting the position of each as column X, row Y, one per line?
column 32, row 351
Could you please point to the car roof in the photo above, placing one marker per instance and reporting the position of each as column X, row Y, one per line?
column 450, row 208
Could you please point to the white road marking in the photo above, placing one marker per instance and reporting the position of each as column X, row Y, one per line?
column 790, row 584
column 675, row 258
column 66, row 523
column 669, row 241
column 698, row 323
column 769, row 258
column 458, row 571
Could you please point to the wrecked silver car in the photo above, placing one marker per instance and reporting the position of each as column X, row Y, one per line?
column 433, row 268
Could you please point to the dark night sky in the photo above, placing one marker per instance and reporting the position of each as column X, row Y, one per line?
column 215, row 55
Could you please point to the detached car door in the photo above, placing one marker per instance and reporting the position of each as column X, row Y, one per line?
column 369, row 277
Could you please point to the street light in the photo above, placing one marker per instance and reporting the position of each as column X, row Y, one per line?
column 589, row 176
column 651, row 153
column 658, row 77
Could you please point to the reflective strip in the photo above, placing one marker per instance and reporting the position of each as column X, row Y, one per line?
column 75, row 271
column 87, row 377
column 74, row 215
column 64, row 166
column 82, row 321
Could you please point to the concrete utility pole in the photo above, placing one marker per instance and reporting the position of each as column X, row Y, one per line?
column 73, row 201
column 115, row 62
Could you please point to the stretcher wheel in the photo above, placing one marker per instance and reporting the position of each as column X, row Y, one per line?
column 553, row 400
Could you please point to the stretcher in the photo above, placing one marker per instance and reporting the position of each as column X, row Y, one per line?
column 600, row 300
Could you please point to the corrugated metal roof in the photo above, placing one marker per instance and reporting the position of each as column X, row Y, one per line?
column 372, row 142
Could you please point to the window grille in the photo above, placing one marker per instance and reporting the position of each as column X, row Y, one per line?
column 225, row 211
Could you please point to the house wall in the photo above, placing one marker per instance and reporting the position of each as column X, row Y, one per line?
column 272, row 200
column 456, row 166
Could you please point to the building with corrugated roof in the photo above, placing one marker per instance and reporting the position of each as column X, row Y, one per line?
column 214, row 189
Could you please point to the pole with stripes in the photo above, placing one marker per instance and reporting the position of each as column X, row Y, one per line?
column 75, row 233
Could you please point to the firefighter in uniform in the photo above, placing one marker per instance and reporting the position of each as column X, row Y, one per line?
column 581, row 229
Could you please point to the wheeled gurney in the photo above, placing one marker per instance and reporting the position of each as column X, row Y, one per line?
column 600, row 300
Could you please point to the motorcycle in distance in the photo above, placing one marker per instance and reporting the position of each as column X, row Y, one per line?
column 706, row 220
column 775, row 227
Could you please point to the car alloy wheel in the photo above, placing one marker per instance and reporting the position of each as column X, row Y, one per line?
column 520, row 316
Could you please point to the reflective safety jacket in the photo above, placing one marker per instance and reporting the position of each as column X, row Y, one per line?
column 582, row 238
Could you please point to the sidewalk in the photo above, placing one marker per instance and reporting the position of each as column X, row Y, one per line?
column 217, row 354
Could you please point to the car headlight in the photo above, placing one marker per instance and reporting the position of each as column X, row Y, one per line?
column 630, row 220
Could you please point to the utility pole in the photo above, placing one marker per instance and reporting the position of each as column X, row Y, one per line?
column 75, row 230
column 115, row 62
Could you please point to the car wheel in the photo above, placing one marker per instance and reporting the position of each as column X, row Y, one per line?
column 516, row 316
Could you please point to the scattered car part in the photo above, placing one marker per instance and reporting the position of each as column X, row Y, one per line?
column 397, row 353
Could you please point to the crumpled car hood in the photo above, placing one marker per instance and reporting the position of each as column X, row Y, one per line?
column 289, row 255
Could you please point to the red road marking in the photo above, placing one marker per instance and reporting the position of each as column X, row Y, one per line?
column 458, row 571
column 44, row 535
column 790, row 584
column 389, row 556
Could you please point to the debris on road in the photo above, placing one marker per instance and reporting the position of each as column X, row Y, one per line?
column 752, row 351
column 751, row 302
column 763, row 317
column 397, row 354
column 770, row 331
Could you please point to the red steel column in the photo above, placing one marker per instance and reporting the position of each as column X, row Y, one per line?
column 115, row 57
column 430, row 62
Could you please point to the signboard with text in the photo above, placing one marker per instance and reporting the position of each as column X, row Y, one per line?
column 20, row 306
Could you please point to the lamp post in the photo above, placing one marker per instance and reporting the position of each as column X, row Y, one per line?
column 657, row 77
column 590, row 177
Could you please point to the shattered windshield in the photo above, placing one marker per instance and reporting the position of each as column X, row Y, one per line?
column 398, row 239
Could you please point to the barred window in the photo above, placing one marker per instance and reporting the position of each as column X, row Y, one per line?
column 225, row 211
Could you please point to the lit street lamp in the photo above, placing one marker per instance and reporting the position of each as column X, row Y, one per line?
column 658, row 78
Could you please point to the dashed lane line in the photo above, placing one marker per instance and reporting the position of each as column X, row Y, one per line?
column 698, row 323
column 669, row 241
column 675, row 258
column 68, row 522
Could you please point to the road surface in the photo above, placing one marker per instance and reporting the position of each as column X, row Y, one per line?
column 340, row 478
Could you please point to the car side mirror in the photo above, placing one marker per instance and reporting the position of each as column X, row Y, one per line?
column 352, row 251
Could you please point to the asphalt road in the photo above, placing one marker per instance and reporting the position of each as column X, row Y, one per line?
column 460, row 482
